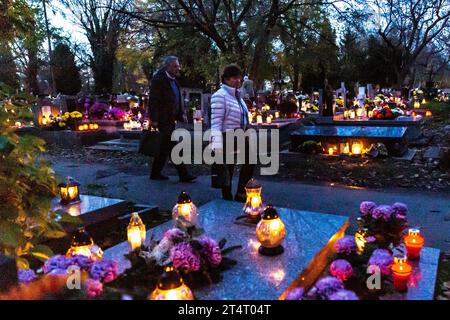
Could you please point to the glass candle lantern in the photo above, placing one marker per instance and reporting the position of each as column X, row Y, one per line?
column 185, row 212
column 277, row 114
column 414, row 243
column 270, row 232
column 253, row 205
column 359, row 112
column 250, row 117
column 428, row 114
column 136, row 232
column 330, row 151
column 360, row 239
column 357, row 148
column 416, row 105
column 83, row 244
column 259, row 119
column 352, row 114
column 171, row 287
column 268, row 120
column 69, row 191
column 346, row 114
column 401, row 272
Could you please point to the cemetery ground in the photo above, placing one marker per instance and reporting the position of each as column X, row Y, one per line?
column 308, row 182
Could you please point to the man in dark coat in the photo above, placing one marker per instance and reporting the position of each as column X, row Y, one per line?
column 165, row 108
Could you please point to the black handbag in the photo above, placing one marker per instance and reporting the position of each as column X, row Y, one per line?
column 150, row 142
column 220, row 177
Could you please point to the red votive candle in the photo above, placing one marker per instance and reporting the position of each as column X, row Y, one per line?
column 414, row 243
column 401, row 272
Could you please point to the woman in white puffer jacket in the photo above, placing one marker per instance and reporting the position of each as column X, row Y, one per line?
column 228, row 113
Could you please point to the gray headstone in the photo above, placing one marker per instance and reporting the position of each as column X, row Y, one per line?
column 370, row 91
column 8, row 273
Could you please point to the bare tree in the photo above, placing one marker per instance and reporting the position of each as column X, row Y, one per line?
column 408, row 27
column 102, row 22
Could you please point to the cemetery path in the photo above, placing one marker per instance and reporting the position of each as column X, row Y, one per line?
column 426, row 209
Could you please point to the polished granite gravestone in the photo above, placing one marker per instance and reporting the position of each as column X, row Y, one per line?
column 309, row 243
column 422, row 283
column 413, row 124
column 394, row 138
column 99, row 215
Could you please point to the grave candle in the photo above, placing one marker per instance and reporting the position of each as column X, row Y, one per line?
column 416, row 105
column 360, row 239
column 185, row 212
column 277, row 114
column 268, row 120
column 270, row 232
column 171, row 287
column 330, row 151
column 259, row 119
column 352, row 114
column 69, row 191
column 414, row 243
column 357, row 148
column 428, row 114
column 253, row 206
column 401, row 272
column 83, row 244
column 250, row 117
column 136, row 232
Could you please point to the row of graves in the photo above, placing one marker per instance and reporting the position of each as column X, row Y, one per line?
column 370, row 125
column 213, row 251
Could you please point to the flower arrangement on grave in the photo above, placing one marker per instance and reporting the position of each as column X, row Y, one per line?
column 384, row 112
column 347, row 276
column 70, row 120
column 52, row 279
column 340, row 103
column 199, row 260
column 386, row 223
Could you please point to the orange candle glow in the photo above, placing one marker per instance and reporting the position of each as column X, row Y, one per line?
column 428, row 114
column 401, row 272
column 414, row 243
column 330, row 151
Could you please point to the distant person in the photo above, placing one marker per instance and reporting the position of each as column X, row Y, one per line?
column 247, row 89
column 165, row 108
column 229, row 113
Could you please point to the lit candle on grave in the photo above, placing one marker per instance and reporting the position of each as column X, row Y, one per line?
column 414, row 243
column 401, row 272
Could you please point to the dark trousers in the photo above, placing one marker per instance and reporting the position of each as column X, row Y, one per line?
column 165, row 149
column 246, row 173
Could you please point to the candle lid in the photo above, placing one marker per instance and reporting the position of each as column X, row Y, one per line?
column 184, row 198
column 170, row 279
column 82, row 238
column 253, row 184
column 270, row 213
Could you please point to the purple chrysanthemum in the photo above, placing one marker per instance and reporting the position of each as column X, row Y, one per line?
column 94, row 288
column 370, row 239
column 366, row 207
column 346, row 245
column 56, row 262
column 183, row 257
column 326, row 287
column 295, row 294
column 341, row 269
column 383, row 212
column 105, row 270
column 210, row 251
column 343, row 295
column 26, row 275
column 175, row 235
column 400, row 210
column 382, row 259
column 83, row 262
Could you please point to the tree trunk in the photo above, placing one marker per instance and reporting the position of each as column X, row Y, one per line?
column 261, row 44
column 296, row 79
column 32, row 72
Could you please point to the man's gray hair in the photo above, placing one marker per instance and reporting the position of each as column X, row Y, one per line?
column 169, row 60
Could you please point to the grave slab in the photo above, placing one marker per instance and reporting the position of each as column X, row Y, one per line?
column 394, row 138
column 309, row 243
